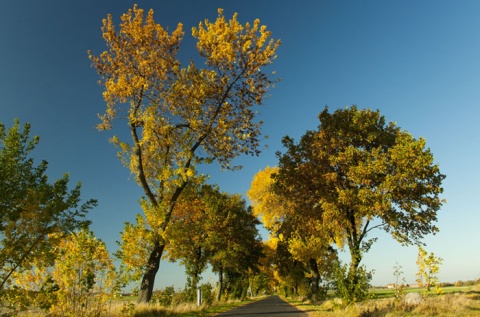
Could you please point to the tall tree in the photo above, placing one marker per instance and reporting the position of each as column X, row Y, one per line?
column 188, row 234
column 234, row 244
column 34, row 213
column 215, row 227
column 357, row 173
column 180, row 117
column 304, row 241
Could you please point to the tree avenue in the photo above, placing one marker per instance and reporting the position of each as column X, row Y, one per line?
column 354, row 174
column 179, row 117
column 216, row 228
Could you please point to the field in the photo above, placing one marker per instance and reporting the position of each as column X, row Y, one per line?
column 454, row 301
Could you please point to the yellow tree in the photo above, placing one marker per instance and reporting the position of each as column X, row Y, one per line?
column 266, row 204
column 77, row 283
column 304, row 237
column 428, row 268
column 180, row 117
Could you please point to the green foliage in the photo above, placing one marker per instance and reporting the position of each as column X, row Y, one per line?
column 352, row 285
column 163, row 297
column 400, row 288
column 354, row 174
column 127, row 309
column 213, row 227
column 35, row 215
column 208, row 293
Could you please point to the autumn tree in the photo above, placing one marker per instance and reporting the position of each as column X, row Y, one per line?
column 428, row 268
column 235, row 248
column 210, row 226
column 188, row 234
column 35, row 214
column 303, row 241
column 357, row 173
column 180, row 117
column 77, row 283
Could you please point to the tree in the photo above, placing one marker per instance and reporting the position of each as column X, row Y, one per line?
column 357, row 173
column 305, row 241
column 234, row 244
column 428, row 268
column 180, row 117
column 214, row 227
column 267, row 205
column 35, row 215
column 188, row 234
column 79, row 281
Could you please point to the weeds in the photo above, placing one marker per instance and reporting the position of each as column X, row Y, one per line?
column 454, row 304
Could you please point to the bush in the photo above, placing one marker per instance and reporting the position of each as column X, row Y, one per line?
column 163, row 297
column 207, row 293
column 352, row 288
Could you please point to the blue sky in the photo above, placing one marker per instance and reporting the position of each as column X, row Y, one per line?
column 418, row 62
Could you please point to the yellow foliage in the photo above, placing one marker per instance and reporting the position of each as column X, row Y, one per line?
column 78, row 282
column 265, row 203
column 180, row 116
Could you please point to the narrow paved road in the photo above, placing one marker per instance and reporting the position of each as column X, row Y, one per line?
column 270, row 306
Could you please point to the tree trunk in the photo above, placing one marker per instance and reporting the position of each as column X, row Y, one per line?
column 148, row 280
column 220, row 284
column 315, row 278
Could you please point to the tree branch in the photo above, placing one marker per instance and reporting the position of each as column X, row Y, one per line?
column 138, row 153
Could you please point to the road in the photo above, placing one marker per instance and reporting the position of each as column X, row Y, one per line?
column 270, row 306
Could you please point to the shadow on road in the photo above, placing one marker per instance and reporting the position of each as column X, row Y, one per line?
column 270, row 306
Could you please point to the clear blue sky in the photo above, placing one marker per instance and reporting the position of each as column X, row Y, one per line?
column 418, row 62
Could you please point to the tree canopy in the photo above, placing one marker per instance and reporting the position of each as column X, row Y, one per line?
column 35, row 215
column 354, row 174
column 181, row 116
column 214, row 227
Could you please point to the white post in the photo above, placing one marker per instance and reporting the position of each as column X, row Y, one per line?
column 199, row 297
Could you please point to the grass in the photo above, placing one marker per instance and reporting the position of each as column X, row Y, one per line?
column 125, row 308
column 455, row 301
column 379, row 293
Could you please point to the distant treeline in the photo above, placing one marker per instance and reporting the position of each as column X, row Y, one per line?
column 461, row 283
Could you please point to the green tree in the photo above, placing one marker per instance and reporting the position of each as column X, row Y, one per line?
column 34, row 214
column 357, row 173
column 179, row 117
column 188, row 234
column 210, row 226
column 234, row 246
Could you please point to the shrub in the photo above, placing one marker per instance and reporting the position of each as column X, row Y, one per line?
column 207, row 293
column 352, row 287
column 163, row 297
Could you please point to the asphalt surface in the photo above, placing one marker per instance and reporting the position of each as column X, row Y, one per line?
column 270, row 306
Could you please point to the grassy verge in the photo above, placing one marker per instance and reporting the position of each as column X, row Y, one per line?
column 213, row 310
column 455, row 301
column 126, row 308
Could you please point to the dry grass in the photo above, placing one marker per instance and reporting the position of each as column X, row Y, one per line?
column 129, row 308
column 448, row 305
column 132, row 309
